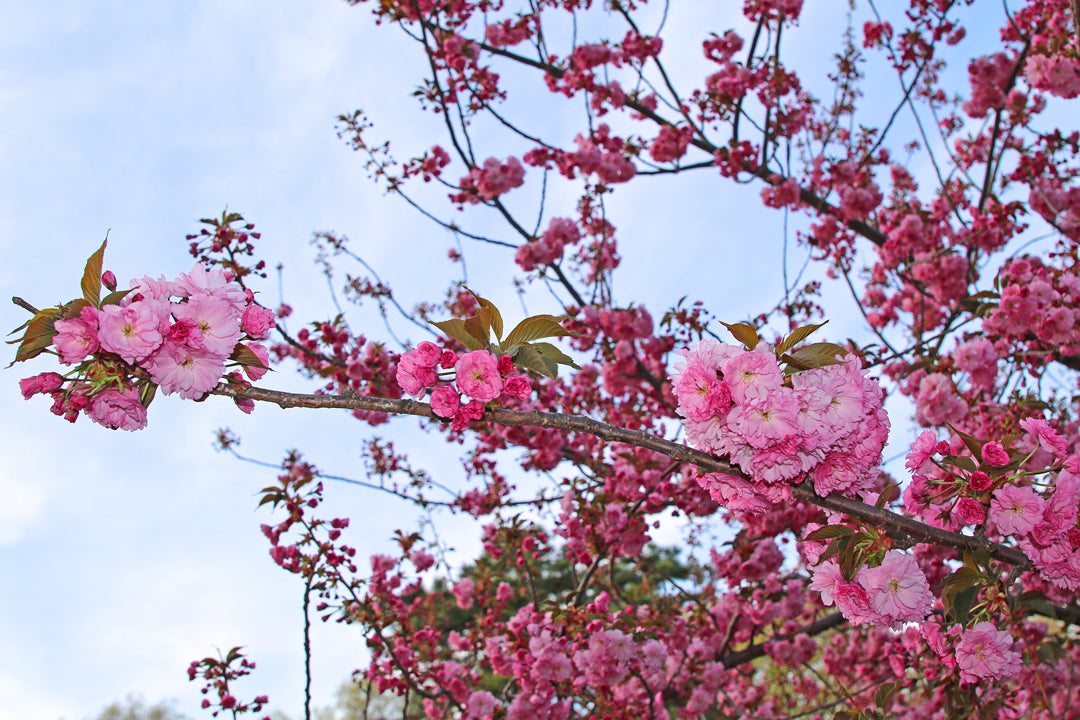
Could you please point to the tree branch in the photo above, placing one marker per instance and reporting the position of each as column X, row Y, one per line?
column 888, row 521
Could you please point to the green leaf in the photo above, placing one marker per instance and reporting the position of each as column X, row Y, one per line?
column 744, row 333
column 457, row 329
column 972, row 444
column 91, row 279
column 797, row 336
column 494, row 315
column 963, row 601
column 884, row 694
column 147, row 393
column 38, row 336
column 528, row 358
column 814, row 355
column 115, row 297
column 961, row 461
column 537, row 327
column 243, row 355
column 550, row 353
column 830, row 531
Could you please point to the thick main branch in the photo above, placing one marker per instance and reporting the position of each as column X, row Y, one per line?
column 889, row 521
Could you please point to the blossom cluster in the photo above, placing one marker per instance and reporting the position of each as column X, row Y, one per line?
column 478, row 375
column 174, row 335
column 892, row 593
column 827, row 422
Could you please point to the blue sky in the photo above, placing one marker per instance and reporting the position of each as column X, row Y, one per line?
column 125, row 556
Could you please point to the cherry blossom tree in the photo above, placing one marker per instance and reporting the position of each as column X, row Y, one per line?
column 950, row 211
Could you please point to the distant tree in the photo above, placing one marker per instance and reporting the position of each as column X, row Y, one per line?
column 135, row 708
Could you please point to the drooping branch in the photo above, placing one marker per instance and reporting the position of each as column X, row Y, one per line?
column 888, row 521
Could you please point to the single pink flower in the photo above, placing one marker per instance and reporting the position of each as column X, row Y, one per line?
column 1016, row 510
column 517, row 386
column 473, row 410
column 413, row 377
column 478, row 375
column 257, row 322
column 898, row 589
column 970, row 511
column 132, row 332
column 994, row 454
column 190, row 372
column 986, row 652
column 217, row 320
column 445, row 401
column 78, row 337
column 117, row 410
column 918, row 460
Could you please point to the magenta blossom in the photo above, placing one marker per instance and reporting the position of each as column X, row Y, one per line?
column 44, row 383
column 118, row 410
column 257, row 322
column 478, row 375
column 898, row 589
column 445, row 401
column 78, row 337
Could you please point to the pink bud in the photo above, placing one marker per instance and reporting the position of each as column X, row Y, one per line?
column 109, row 280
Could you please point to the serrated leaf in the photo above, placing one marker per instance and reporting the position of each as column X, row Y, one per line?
column 455, row 328
column 479, row 326
column 550, row 352
column 830, row 531
column 744, row 333
column 245, row 356
column 814, row 355
column 537, row 327
column 797, row 336
column 38, row 336
column 91, row 279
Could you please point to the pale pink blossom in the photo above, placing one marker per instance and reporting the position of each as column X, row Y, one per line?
column 1016, row 510
column 117, row 410
column 478, row 375
column 132, row 332
column 187, row 371
column 937, row 402
column 1047, row 437
column 217, row 321
column 898, row 589
column 918, row 459
column 463, row 593
column 984, row 652
column 413, row 377
column 752, row 374
column 201, row 281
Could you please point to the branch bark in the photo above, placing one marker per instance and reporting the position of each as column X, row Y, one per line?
column 889, row 521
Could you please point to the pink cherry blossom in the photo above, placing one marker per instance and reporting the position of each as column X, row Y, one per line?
column 478, row 375
column 188, row 371
column 986, row 652
column 44, row 383
column 413, row 377
column 463, row 593
column 117, row 410
column 918, row 459
column 259, row 350
column 78, row 337
column 1016, row 510
column 132, row 332
column 217, row 320
column 752, row 374
column 898, row 589
column 257, row 322
column 517, row 386
column 444, row 401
